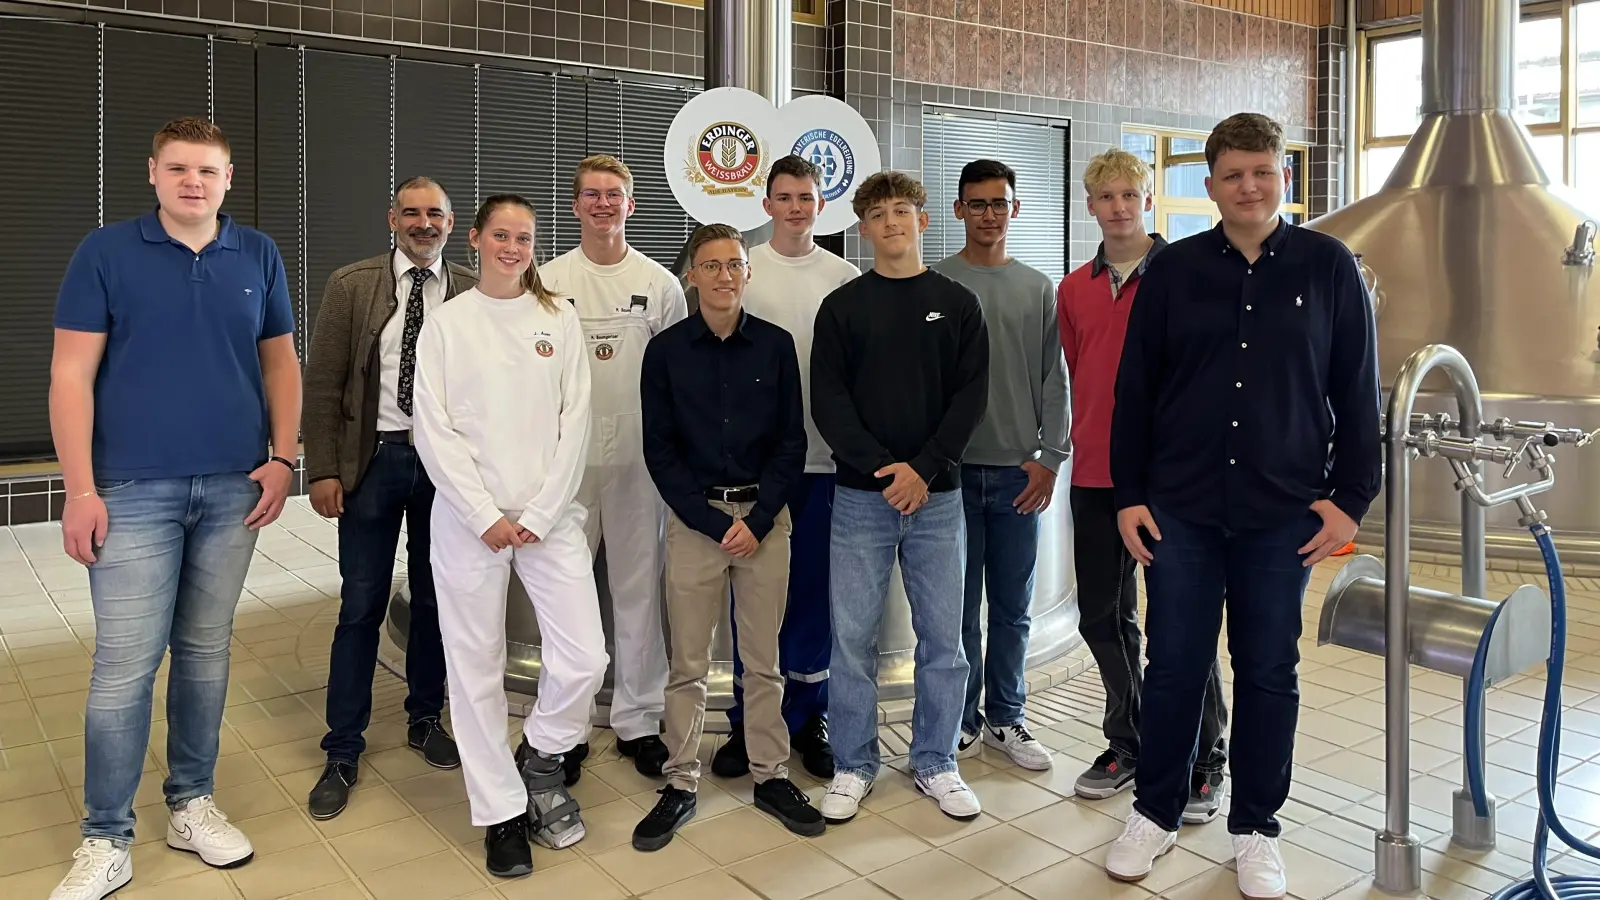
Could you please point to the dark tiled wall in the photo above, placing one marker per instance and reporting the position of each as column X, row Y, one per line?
column 1155, row 55
column 1328, row 183
column 647, row 36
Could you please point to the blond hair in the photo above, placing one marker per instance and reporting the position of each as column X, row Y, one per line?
column 1115, row 164
column 600, row 162
column 882, row 187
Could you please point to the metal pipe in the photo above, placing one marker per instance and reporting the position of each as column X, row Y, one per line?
column 1398, row 852
column 1468, row 65
column 724, row 65
column 1352, row 147
column 768, row 37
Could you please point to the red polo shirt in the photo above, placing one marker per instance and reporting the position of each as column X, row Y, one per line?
column 1093, row 317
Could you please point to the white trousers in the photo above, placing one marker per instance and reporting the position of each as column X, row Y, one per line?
column 625, row 508
column 471, row 581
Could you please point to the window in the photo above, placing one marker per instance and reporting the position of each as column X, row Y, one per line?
column 1038, row 153
column 1182, row 207
column 1553, row 39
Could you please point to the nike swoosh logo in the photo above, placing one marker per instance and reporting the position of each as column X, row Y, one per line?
column 934, row 317
column 114, row 871
column 185, row 832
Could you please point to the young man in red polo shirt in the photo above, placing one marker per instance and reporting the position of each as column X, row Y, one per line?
column 1092, row 307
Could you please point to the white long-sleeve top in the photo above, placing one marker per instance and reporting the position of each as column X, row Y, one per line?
column 502, row 409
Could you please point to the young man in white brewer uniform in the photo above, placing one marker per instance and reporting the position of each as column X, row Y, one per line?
column 624, row 299
column 798, row 274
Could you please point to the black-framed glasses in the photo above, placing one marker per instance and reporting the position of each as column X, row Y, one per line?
column 1002, row 208
column 713, row 267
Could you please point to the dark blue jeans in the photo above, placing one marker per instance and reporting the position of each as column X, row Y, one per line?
column 1261, row 573
column 1002, row 548
column 394, row 489
column 806, row 641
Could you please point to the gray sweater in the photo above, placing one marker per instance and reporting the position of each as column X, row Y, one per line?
column 1029, row 414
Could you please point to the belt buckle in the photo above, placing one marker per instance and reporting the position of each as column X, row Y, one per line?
column 411, row 438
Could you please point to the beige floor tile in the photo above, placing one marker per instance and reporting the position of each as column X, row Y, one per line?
column 29, row 813
column 869, row 843
column 1006, row 796
column 713, row 885
column 40, row 847
column 576, row 878
column 735, row 836
column 860, row 889
column 934, row 874
column 388, row 845
column 926, row 821
column 1006, row 853
column 210, row 884
column 367, row 808
column 791, row 872
column 276, row 832
column 288, row 873
column 429, row 792
column 1080, row 880
column 438, row 877
column 640, row 873
column 1071, row 826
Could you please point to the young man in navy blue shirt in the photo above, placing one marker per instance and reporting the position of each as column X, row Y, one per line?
column 1244, row 450
column 174, row 371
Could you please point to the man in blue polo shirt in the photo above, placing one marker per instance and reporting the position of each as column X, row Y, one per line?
column 174, row 369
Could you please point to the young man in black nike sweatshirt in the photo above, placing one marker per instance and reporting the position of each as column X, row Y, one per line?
column 899, row 381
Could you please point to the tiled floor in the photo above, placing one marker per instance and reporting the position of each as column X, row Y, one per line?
column 406, row 833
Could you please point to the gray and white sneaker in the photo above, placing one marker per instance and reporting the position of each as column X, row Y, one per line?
column 1205, row 798
column 200, row 828
column 844, row 797
column 955, row 798
column 552, row 813
column 1018, row 744
column 99, row 867
column 1110, row 775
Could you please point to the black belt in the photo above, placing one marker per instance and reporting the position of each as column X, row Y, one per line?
column 395, row 437
column 745, row 494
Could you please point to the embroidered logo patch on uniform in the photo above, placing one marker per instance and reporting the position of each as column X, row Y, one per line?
column 544, row 348
column 604, row 352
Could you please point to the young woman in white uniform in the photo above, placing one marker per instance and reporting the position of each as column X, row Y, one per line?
column 502, row 426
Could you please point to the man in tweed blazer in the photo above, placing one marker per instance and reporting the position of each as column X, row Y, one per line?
column 364, row 471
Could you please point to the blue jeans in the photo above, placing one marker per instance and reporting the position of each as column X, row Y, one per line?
column 1002, row 547
column 806, row 639
column 868, row 534
column 174, row 561
column 1261, row 574
column 394, row 489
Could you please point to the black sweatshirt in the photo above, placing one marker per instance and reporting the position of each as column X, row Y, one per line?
column 899, row 373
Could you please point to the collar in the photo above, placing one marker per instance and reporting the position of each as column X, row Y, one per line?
column 699, row 330
column 1273, row 243
column 1099, row 263
column 153, row 231
column 402, row 266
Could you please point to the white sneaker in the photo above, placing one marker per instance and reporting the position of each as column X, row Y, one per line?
column 968, row 746
column 1260, row 865
column 956, row 800
column 1132, row 855
column 1018, row 744
column 843, row 799
column 98, row 868
column 200, row 828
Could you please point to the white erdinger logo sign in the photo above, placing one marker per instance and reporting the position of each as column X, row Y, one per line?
column 721, row 144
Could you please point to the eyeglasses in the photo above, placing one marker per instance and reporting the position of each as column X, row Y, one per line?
column 591, row 196
column 713, row 267
column 1002, row 208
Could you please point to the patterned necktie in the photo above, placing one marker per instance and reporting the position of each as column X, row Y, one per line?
column 408, row 339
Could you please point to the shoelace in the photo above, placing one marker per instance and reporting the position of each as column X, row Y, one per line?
column 788, row 790
column 1257, row 848
column 945, row 782
column 662, row 812
column 1105, row 759
column 206, row 817
column 341, row 770
column 1022, row 734
column 1140, row 831
column 87, row 862
column 502, row 830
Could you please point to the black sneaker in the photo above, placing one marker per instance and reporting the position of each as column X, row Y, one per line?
column 571, row 761
column 438, row 749
column 732, row 759
column 1110, row 775
column 780, row 799
column 332, row 792
column 655, row 830
column 506, row 850
column 649, row 754
column 811, row 742
column 1205, row 798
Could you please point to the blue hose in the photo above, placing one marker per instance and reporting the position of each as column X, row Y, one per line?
column 1564, row 887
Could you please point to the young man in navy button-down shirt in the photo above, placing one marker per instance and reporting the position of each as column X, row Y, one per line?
column 1244, row 450
column 175, row 408
column 725, row 443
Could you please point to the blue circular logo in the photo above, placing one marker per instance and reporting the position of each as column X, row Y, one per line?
column 832, row 154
